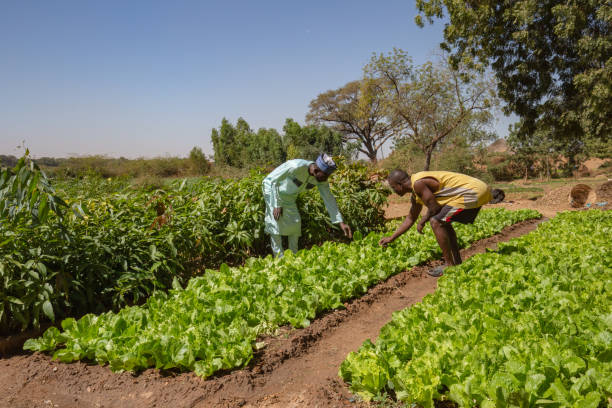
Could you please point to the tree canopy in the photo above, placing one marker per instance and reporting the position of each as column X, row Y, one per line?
column 239, row 146
column 358, row 111
column 306, row 142
column 432, row 102
column 552, row 59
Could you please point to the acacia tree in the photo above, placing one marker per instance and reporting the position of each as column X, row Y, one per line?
column 552, row 60
column 359, row 112
column 432, row 102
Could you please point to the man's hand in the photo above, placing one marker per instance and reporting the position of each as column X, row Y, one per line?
column 420, row 226
column 278, row 211
column 346, row 229
column 384, row 241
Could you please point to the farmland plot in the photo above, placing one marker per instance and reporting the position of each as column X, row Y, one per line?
column 120, row 245
column 528, row 325
column 213, row 324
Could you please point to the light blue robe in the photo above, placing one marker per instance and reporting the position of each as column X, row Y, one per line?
column 281, row 188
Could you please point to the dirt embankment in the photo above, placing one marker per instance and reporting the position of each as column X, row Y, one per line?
column 297, row 368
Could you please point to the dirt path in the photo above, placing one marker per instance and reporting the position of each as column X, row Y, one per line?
column 297, row 368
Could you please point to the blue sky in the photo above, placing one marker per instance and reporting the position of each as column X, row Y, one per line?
column 152, row 78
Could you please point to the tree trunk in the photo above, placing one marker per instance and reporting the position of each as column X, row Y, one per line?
column 371, row 154
column 427, row 159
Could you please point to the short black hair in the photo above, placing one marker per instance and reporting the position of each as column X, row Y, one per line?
column 398, row 176
column 497, row 196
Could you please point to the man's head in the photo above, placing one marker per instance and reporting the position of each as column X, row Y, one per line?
column 497, row 196
column 323, row 167
column 400, row 182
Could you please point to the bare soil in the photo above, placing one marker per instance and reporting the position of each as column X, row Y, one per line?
column 296, row 368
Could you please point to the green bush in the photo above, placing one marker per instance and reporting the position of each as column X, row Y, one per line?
column 105, row 167
column 132, row 242
column 199, row 163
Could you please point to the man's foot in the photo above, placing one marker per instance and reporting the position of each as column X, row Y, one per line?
column 436, row 272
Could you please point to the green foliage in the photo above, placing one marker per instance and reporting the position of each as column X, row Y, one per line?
column 361, row 199
column 198, row 160
column 433, row 102
column 505, row 167
column 528, row 325
column 540, row 150
column 27, row 198
column 455, row 154
column 131, row 242
column 358, row 110
column 105, row 167
column 26, row 191
column 214, row 322
column 307, row 142
column 239, row 146
column 552, row 59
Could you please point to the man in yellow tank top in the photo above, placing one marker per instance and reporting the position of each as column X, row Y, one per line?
column 449, row 197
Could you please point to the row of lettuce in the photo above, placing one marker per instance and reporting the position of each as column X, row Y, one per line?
column 120, row 244
column 528, row 325
column 213, row 323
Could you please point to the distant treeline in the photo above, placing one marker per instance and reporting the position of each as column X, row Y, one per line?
column 11, row 161
column 242, row 147
column 101, row 166
column 237, row 149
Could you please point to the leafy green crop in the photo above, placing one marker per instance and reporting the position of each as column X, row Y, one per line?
column 528, row 325
column 120, row 247
column 213, row 323
column 26, row 191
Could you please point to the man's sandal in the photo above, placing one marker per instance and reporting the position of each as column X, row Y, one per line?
column 436, row 272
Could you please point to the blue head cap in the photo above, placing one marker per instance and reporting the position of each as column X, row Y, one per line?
column 326, row 163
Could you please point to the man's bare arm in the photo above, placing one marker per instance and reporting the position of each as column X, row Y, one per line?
column 421, row 188
column 413, row 215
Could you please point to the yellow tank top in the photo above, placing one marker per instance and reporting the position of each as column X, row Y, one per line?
column 456, row 189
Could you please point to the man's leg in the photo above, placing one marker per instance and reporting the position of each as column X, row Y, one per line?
column 443, row 234
column 277, row 245
column 454, row 244
column 293, row 242
column 466, row 216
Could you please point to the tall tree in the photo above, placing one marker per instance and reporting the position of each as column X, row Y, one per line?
column 552, row 59
column 308, row 141
column 432, row 102
column 198, row 160
column 224, row 144
column 240, row 146
column 267, row 147
column 358, row 111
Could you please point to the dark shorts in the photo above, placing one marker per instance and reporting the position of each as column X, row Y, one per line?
column 450, row 214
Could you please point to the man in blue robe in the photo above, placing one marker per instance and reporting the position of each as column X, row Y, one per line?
column 281, row 188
